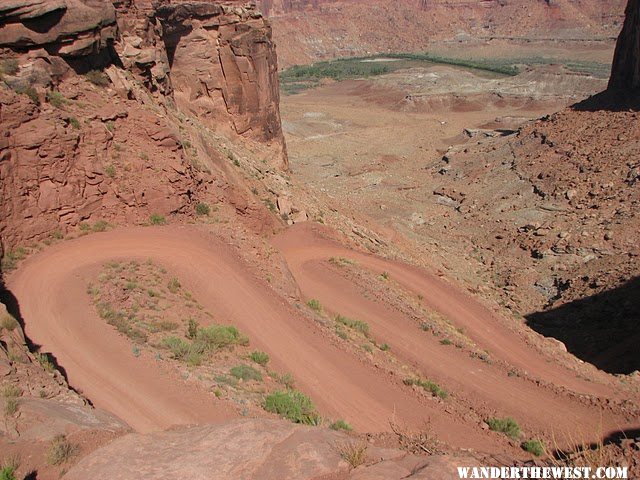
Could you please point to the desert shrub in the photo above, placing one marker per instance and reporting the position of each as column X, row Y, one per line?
column 30, row 92
column 354, row 453
column 215, row 337
column 507, row 425
column 12, row 257
column 446, row 341
column 367, row 348
column 385, row 347
column 194, row 358
column 61, row 450
column 9, row 66
column 385, row 275
column 179, row 348
column 314, row 305
column 203, row 209
column 224, row 380
column 421, row 441
column 341, row 332
column 341, row 261
column 356, row 325
column 157, row 219
column 192, row 329
column 427, row 385
column 7, row 473
column 340, row 425
column 7, row 322
column 286, row 379
column 167, row 325
column 534, row 447
column 97, row 78
column 245, row 373
column 110, row 170
column 45, row 360
column 74, row 122
column 56, row 99
column 292, row 405
column 10, row 406
column 11, row 391
column 119, row 320
column 174, row 285
column 270, row 205
column 100, row 226
column 261, row 358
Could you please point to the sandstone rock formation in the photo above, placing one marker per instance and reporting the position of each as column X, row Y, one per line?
column 311, row 30
column 256, row 450
column 69, row 28
column 223, row 63
column 625, row 73
column 63, row 164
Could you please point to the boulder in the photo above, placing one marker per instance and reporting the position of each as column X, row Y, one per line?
column 245, row 449
column 69, row 28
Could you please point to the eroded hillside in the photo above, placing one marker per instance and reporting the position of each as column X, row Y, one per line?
column 168, row 269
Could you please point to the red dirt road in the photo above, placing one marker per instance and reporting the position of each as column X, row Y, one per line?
column 51, row 290
column 475, row 383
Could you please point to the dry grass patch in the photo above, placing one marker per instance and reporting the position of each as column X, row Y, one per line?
column 61, row 450
column 354, row 453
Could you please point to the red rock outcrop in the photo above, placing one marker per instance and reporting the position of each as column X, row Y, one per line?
column 73, row 152
column 310, row 30
column 223, row 63
column 68, row 28
column 255, row 449
column 625, row 73
column 59, row 166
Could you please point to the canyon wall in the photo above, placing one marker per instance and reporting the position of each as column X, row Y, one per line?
column 96, row 105
column 625, row 72
column 310, row 30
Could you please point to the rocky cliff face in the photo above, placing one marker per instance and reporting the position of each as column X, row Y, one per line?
column 310, row 30
column 68, row 28
column 223, row 62
column 80, row 145
column 625, row 73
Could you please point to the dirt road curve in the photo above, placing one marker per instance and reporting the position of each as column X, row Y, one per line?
column 51, row 290
column 473, row 382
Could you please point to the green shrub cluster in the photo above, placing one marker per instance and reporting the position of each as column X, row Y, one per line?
column 356, row 325
column 507, row 425
column 8, row 473
column 245, row 373
column 428, row 385
column 157, row 219
column 261, row 358
column 203, row 209
column 534, row 447
column 340, row 425
column 56, row 99
column 205, row 341
column 293, row 405
column 314, row 305
column 121, row 321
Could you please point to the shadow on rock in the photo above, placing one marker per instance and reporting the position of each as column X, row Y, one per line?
column 602, row 329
